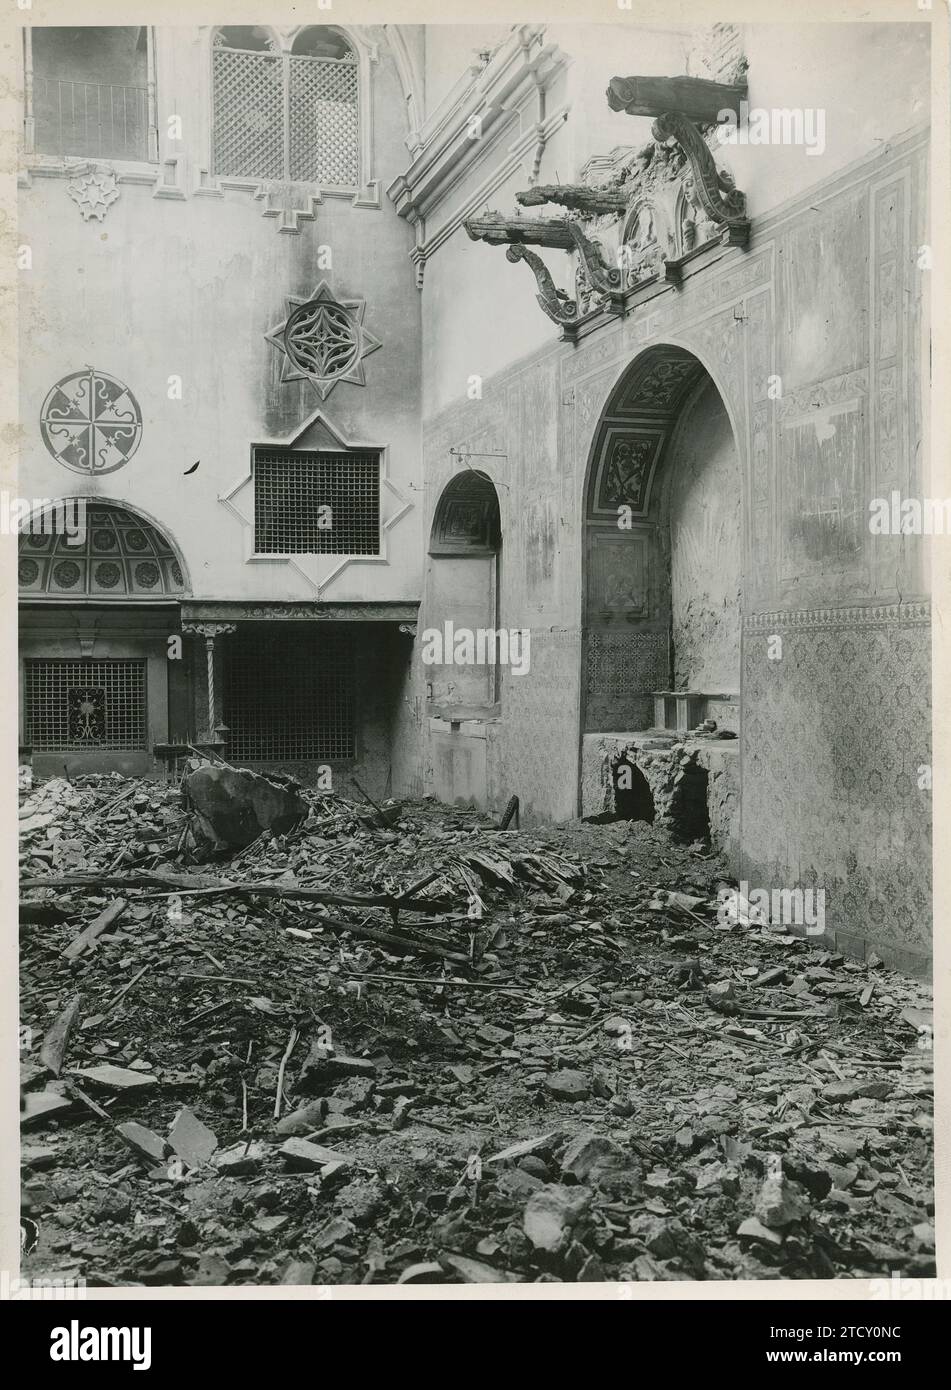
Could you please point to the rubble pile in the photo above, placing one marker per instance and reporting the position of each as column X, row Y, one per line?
column 392, row 1043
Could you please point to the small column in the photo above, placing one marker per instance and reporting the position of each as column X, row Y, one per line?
column 210, row 631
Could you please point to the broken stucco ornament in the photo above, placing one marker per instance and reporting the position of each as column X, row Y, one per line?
column 232, row 806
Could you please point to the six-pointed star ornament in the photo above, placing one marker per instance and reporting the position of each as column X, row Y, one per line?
column 323, row 340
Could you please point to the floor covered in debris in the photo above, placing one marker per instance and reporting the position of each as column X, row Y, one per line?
column 441, row 1053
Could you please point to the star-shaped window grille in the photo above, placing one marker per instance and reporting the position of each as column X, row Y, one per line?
column 323, row 340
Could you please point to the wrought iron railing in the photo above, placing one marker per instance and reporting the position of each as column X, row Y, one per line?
column 90, row 118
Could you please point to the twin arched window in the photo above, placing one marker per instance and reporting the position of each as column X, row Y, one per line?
column 286, row 114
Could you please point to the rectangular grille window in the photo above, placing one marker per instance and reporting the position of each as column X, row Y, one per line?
column 316, row 504
column 76, row 705
column 290, row 696
column 286, row 116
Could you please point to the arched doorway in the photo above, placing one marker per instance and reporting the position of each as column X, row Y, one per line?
column 464, row 550
column 463, row 600
column 100, row 589
column 663, row 576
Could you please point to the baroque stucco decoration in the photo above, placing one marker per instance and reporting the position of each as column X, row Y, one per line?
column 93, row 190
column 323, row 340
column 638, row 215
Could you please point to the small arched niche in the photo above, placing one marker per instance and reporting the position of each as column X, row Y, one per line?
column 663, row 549
column 463, row 596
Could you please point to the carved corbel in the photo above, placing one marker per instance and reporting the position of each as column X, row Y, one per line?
column 605, row 279
column 716, row 192
column 677, row 104
column 554, row 302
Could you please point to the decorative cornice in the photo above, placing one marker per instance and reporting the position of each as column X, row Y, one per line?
column 198, row 613
column 208, row 630
column 914, row 613
column 489, row 99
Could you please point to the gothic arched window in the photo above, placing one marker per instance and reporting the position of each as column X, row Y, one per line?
column 289, row 115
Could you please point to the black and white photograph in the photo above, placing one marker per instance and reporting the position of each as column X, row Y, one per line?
column 475, row 499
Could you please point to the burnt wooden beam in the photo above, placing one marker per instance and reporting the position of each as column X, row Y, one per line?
column 497, row 230
column 694, row 97
column 578, row 197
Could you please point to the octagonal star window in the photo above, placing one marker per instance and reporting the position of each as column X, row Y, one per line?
column 323, row 340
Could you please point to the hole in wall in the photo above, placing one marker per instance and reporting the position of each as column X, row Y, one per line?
column 632, row 794
column 689, row 812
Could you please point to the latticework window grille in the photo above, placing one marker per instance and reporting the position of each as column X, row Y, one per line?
column 94, row 705
column 290, row 696
column 324, row 121
column 249, row 114
column 316, row 504
column 286, row 116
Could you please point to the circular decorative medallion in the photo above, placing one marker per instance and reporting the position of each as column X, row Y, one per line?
column 91, row 423
column 103, row 540
column 107, row 574
column 27, row 570
column 135, row 540
column 66, row 573
column 322, row 339
column 147, row 574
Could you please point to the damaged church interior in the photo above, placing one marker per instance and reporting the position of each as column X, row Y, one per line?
column 446, row 581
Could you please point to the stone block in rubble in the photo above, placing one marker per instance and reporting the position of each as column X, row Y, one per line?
column 590, row 1154
column 303, row 1155
column 551, row 1214
column 233, row 806
column 568, row 1085
column 779, row 1204
column 321, row 1070
column 302, row 1121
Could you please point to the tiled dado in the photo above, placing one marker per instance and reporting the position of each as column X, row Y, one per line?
column 836, row 732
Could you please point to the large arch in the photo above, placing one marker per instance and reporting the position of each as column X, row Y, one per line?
column 635, row 566
column 105, row 553
column 105, row 680
column 663, row 567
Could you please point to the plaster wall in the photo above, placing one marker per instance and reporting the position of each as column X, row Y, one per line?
column 183, row 278
column 829, row 299
column 870, row 81
column 704, row 543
